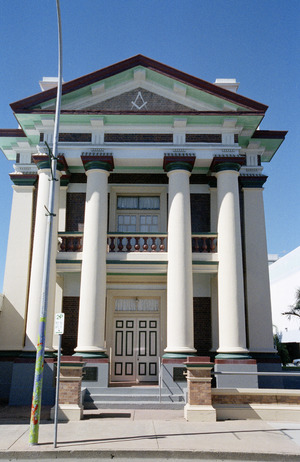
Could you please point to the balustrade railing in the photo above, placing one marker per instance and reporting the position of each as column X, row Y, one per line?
column 70, row 242
column 204, row 243
column 137, row 242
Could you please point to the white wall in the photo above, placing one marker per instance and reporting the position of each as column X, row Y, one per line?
column 284, row 281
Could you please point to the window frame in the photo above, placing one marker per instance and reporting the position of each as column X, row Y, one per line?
column 146, row 191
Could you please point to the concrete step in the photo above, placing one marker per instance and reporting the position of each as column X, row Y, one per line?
column 125, row 390
column 132, row 405
column 103, row 397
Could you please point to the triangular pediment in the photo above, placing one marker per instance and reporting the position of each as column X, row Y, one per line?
column 139, row 100
column 140, row 84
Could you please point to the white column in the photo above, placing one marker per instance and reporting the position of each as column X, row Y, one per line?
column 91, row 325
column 214, row 312
column 232, row 332
column 257, row 271
column 180, row 328
column 37, row 265
column 17, row 267
column 62, row 208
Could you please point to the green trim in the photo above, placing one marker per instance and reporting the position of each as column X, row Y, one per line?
column 63, row 233
column 109, row 262
column 28, row 354
column 205, row 234
column 233, row 356
column 69, row 261
column 91, row 355
column 252, row 181
column 43, row 164
column 180, row 165
column 199, row 365
column 205, row 262
column 136, row 274
column 23, row 180
column 98, row 165
column 178, row 355
column 64, row 181
column 10, row 353
column 117, row 234
column 227, row 166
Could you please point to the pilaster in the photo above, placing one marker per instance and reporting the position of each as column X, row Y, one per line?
column 257, row 272
column 17, row 269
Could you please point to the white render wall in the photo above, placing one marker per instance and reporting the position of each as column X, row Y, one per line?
column 284, row 281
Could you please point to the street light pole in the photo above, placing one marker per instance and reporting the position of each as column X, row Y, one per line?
column 40, row 351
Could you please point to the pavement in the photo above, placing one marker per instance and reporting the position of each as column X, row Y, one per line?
column 140, row 434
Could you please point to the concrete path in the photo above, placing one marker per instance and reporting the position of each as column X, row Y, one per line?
column 151, row 435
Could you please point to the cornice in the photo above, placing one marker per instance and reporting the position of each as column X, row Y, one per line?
column 252, row 181
column 20, row 179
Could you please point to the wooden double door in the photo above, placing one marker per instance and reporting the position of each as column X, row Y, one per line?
column 135, row 351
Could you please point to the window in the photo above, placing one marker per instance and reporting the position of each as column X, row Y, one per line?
column 137, row 208
column 138, row 214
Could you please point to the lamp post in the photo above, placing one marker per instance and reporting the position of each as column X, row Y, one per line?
column 40, row 351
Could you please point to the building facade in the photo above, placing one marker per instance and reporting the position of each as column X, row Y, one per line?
column 159, row 244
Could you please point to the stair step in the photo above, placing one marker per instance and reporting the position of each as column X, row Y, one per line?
column 133, row 405
column 134, row 398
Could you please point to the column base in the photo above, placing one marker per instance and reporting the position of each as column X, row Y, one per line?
column 178, row 355
column 91, row 354
column 199, row 413
column 67, row 412
column 233, row 356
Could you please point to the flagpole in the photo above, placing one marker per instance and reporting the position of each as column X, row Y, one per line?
column 40, row 351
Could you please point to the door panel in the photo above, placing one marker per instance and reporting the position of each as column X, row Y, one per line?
column 135, row 349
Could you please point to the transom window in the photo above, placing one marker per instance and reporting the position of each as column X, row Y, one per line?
column 132, row 216
column 138, row 202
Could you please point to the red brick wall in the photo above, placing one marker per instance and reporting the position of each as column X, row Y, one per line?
column 200, row 213
column 75, row 210
column 71, row 310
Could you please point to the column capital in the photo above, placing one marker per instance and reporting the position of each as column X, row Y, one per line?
column 20, row 179
column 221, row 163
column 252, row 181
column 100, row 161
column 65, row 179
column 180, row 161
column 42, row 161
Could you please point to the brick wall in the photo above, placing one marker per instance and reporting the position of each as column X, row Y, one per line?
column 202, row 325
column 256, row 397
column 75, row 210
column 200, row 213
column 71, row 310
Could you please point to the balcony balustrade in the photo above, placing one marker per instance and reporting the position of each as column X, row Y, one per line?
column 204, row 243
column 137, row 242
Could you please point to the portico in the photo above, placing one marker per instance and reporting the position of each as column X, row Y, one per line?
column 159, row 244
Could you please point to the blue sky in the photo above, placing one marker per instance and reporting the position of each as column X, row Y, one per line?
column 254, row 41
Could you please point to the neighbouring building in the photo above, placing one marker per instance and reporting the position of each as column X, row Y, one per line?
column 284, row 283
column 159, row 244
